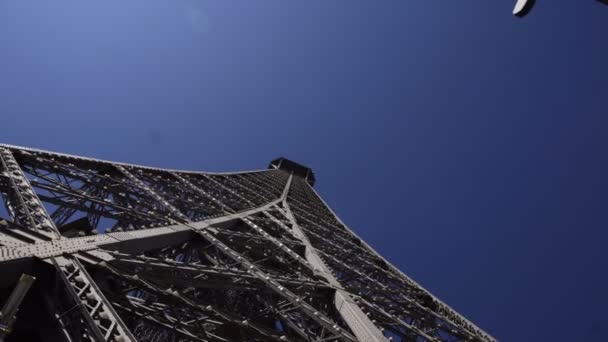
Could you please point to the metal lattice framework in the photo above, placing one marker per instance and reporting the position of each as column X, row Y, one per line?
column 130, row 253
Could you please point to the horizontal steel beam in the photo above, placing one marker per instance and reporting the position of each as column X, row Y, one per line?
column 131, row 241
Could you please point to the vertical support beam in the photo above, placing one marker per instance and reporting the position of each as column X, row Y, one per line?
column 355, row 318
column 102, row 322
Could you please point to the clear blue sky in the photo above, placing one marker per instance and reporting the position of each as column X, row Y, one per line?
column 467, row 146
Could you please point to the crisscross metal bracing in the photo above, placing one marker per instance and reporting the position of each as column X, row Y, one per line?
column 125, row 252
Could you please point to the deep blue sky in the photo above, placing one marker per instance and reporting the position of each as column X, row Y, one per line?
column 467, row 146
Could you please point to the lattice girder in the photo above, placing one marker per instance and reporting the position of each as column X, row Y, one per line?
column 138, row 253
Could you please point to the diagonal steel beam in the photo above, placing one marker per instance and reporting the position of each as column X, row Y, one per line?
column 27, row 208
column 352, row 314
column 102, row 322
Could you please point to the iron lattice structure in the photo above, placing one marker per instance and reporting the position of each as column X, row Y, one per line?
column 130, row 253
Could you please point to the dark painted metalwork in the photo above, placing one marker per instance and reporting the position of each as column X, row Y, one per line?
column 131, row 253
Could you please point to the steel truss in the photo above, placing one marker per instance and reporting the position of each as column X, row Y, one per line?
column 130, row 253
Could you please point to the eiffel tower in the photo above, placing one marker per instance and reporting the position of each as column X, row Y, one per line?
column 93, row 250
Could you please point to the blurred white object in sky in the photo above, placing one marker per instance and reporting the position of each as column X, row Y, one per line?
column 522, row 7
